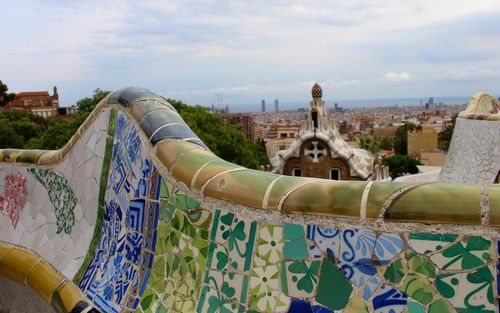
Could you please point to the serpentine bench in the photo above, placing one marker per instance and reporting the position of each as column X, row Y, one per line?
column 135, row 213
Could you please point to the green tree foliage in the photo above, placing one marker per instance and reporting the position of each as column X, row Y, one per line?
column 401, row 141
column 19, row 129
column 5, row 97
column 8, row 136
column 444, row 137
column 401, row 164
column 386, row 143
column 86, row 105
column 370, row 143
column 225, row 140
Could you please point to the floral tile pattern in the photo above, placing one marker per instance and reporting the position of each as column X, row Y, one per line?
column 13, row 200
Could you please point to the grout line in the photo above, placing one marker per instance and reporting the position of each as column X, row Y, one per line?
column 364, row 200
column 280, row 203
column 30, row 269
column 265, row 200
column 161, row 127
column 195, row 176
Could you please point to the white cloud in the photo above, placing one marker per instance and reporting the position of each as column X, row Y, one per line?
column 393, row 76
column 254, row 46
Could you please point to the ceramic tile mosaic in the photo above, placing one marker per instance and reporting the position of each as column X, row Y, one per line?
column 53, row 209
column 162, row 248
column 121, row 265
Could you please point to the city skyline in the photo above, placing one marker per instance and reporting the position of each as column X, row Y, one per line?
column 247, row 52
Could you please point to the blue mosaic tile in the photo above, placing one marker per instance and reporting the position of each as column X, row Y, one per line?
column 300, row 306
column 389, row 300
column 120, row 267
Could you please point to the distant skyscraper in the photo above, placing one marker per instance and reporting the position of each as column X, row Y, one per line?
column 263, row 104
column 431, row 100
column 276, row 105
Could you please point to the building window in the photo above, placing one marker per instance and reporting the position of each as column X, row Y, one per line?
column 335, row 174
column 297, row 172
column 314, row 116
column 282, row 147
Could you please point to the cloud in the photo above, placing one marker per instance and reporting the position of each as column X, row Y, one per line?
column 392, row 76
column 251, row 48
column 466, row 74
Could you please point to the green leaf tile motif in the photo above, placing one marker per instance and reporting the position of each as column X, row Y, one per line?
column 299, row 279
column 468, row 292
column 459, row 256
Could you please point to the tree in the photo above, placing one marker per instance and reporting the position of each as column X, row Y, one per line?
column 86, row 105
column 8, row 136
column 370, row 143
column 401, row 141
column 4, row 96
column 386, row 143
column 225, row 140
column 444, row 137
column 401, row 164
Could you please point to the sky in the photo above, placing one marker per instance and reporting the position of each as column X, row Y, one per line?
column 245, row 51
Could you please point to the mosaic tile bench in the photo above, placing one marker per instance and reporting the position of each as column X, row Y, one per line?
column 135, row 214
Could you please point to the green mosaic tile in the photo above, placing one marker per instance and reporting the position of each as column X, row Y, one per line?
column 464, row 256
column 218, row 257
column 430, row 242
column 200, row 217
column 414, row 307
column 293, row 231
column 221, row 226
column 395, row 272
column 334, row 289
column 213, row 300
column 233, row 286
column 265, row 279
column 356, row 305
column 299, row 279
column 269, row 302
column 419, row 264
column 439, row 306
column 181, row 223
column 469, row 291
column 147, row 299
column 167, row 211
column 184, row 202
column 269, row 248
column 295, row 250
column 241, row 244
column 418, row 288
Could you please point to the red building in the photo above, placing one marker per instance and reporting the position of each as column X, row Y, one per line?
column 245, row 121
column 38, row 102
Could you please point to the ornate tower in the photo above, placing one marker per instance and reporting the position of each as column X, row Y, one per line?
column 317, row 109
